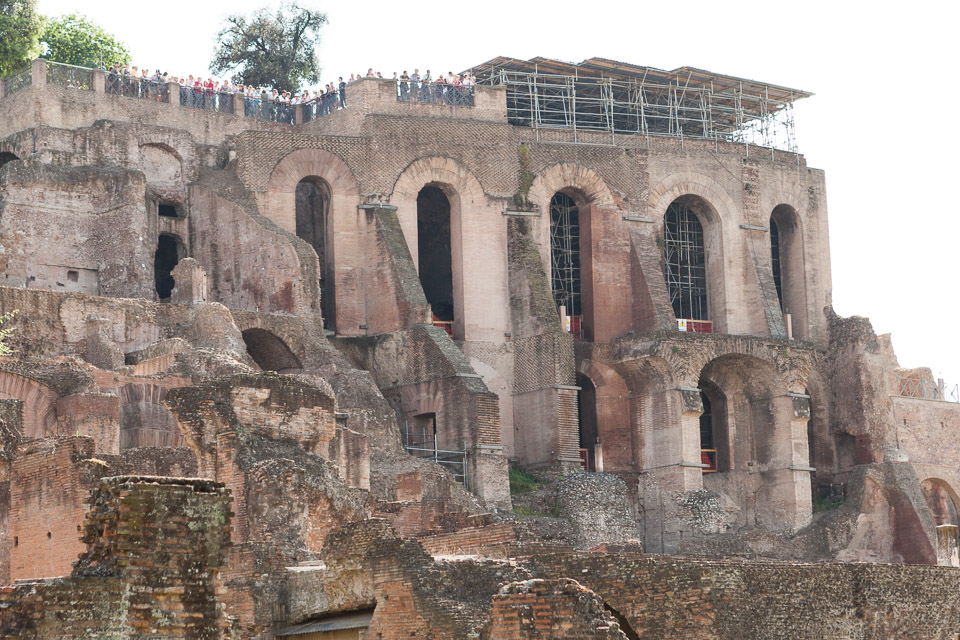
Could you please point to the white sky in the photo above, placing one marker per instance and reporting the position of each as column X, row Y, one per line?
column 883, row 122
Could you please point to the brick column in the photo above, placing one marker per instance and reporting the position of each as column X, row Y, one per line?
column 99, row 81
column 38, row 70
column 173, row 93
column 238, row 105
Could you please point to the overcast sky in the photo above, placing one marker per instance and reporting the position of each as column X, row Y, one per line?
column 883, row 122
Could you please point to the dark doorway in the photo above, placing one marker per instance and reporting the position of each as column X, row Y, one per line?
column 714, row 449
column 434, row 253
column 587, row 420
column 168, row 211
column 312, row 218
column 775, row 259
column 164, row 260
column 270, row 352
column 6, row 156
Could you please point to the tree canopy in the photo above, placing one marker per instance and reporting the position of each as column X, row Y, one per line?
column 276, row 50
column 20, row 28
column 74, row 39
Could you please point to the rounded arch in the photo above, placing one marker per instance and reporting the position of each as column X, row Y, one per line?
column 342, row 266
column 10, row 151
column 788, row 266
column 463, row 193
column 270, row 352
column 581, row 183
column 39, row 410
column 605, row 415
column 6, row 156
column 144, row 420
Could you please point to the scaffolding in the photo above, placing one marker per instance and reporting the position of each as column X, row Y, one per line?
column 565, row 258
column 685, row 262
column 600, row 95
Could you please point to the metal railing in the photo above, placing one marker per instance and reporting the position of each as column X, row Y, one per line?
column 324, row 105
column 67, row 75
column 424, row 445
column 206, row 99
column 272, row 110
column 434, row 93
column 914, row 387
column 131, row 87
column 17, row 81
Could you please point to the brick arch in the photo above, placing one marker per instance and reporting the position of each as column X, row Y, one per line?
column 39, row 404
column 343, row 260
column 792, row 265
column 942, row 500
column 13, row 148
column 792, row 367
column 611, row 410
column 293, row 339
column 144, row 420
column 584, row 184
column 466, row 197
column 717, row 211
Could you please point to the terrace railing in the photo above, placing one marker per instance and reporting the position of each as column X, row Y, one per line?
column 914, row 387
column 118, row 85
column 272, row 110
column 67, row 75
column 17, row 81
column 207, row 100
column 434, row 93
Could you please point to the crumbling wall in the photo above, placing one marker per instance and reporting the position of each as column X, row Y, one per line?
column 154, row 549
column 76, row 229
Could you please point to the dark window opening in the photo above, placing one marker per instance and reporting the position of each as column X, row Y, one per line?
column 312, row 219
column 168, row 211
column 270, row 352
column 565, row 258
column 434, row 253
column 164, row 260
column 73, row 276
column 6, row 157
column 775, row 259
column 587, row 421
column 685, row 262
column 420, row 432
column 708, row 448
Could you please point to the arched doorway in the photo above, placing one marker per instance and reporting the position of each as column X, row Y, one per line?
column 270, row 352
column 434, row 253
column 312, row 226
column 169, row 252
column 565, row 268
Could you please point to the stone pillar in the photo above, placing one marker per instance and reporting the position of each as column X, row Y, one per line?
column 948, row 554
column 298, row 114
column 38, row 69
column 99, row 81
column 239, row 105
column 173, row 93
column 190, row 283
column 784, row 501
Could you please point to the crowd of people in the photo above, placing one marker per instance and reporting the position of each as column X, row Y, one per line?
column 197, row 92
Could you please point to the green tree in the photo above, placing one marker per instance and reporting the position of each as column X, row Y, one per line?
column 271, row 50
column 20, row 28
column 74, row 39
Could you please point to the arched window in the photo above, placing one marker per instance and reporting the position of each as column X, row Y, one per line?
column 168, row 254
column 787, row 263
column 565, row 259
column 312, row 222
column 775, row 259
column 685, row 263
column 434, row 253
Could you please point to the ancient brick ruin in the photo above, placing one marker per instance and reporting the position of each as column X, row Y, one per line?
column 271, row 377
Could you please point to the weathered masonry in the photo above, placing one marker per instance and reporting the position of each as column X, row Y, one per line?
column 355, row 317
